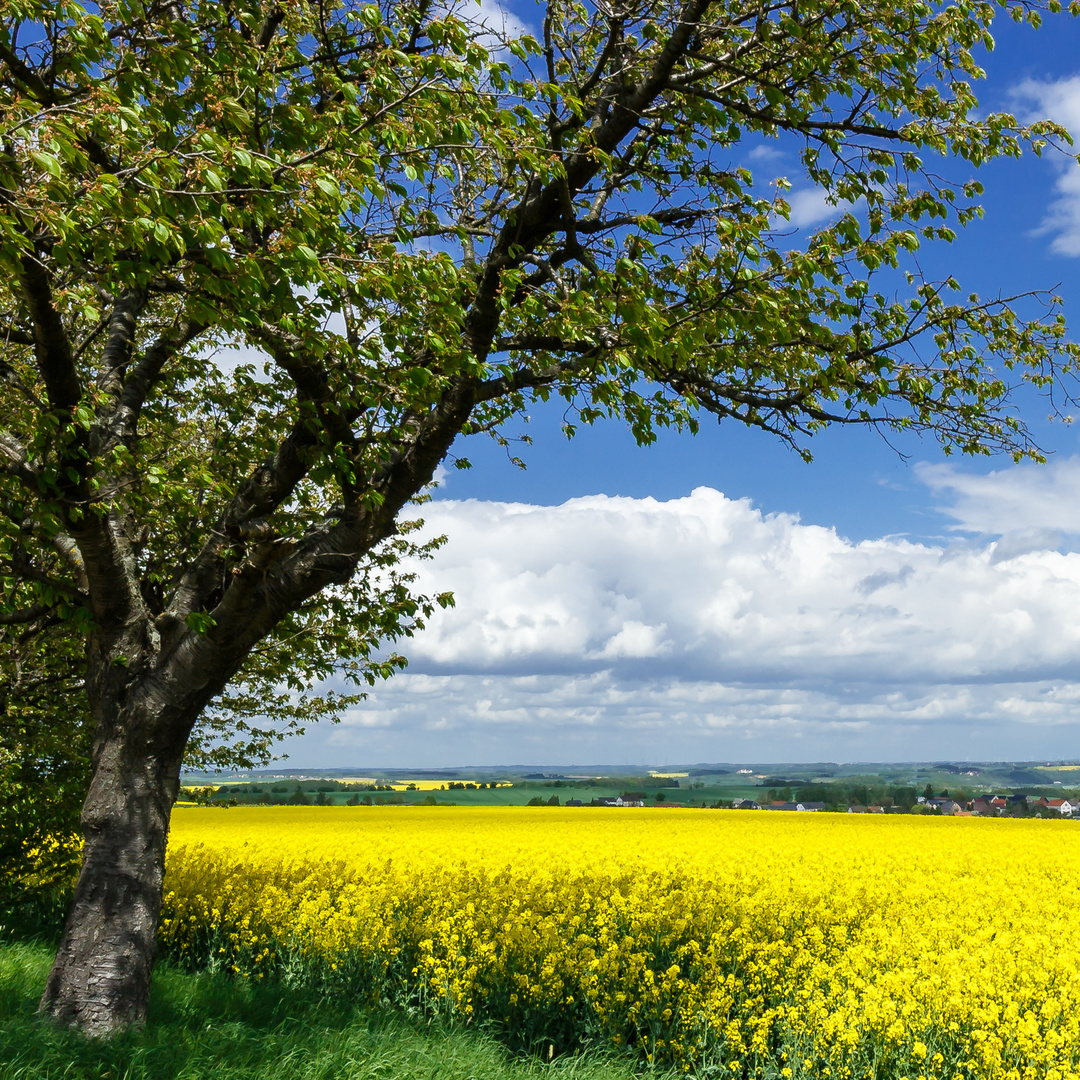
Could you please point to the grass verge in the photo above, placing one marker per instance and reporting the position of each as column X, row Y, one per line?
column 212, row 1027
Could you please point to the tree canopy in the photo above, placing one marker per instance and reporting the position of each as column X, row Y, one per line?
column 264, row 263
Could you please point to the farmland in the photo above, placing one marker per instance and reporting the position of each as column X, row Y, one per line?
column 737, row 945
column 896, row 786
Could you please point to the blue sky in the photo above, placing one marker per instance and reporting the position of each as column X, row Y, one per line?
column 858, row 483
column 866, row 606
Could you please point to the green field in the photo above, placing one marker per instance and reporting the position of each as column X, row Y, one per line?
column 688, row 785
column 204, row 1027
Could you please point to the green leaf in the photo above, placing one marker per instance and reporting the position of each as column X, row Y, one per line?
column 199, row 622
column 49, row 162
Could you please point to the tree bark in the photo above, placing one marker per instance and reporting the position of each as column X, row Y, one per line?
column 100, row 979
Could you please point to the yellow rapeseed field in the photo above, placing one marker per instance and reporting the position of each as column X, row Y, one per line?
column 731, row 944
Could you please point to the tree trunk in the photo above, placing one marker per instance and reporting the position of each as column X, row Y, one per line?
column 100, row 979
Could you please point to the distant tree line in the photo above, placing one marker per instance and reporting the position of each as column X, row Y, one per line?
column 278, row 793
column 531, row 781
column 902, row 796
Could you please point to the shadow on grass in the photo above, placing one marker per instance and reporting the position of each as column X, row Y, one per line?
column 212, row 1027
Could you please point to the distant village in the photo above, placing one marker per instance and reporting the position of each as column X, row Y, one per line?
column 720, row 790
column 980, row 806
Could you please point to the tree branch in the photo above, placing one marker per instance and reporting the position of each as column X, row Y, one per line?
column 806, row 127
column 15, row 461
column 123, row 422
column 26, row 615
column 26, row 75
column 14, row 336
column 120, row 340
column 540, row 214
column 51, row 344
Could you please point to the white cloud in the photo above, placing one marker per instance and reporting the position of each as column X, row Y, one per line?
column 766, row 153
column 1063, row 216
column 496, row 23
column 1029, row 500
column 706, row 587
column 810, row 207
column 700, row 629
column 1058, row 101
column 427, row 720
column 495, row 17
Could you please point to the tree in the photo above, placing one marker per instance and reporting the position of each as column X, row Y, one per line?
column 905, row 797
column 422, row 232
column 44, row 759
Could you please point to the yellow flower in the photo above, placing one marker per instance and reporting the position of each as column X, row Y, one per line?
column 826, row 938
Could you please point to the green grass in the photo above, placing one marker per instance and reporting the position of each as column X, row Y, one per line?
column 217, row 1028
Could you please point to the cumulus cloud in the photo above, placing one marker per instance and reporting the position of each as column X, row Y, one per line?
column 496, row 23
column 498, row 19
column 701, row 629
column 428, row 720
column 810, row 207
column 707, row 587
column 1059, row 101
column 1039, row 501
